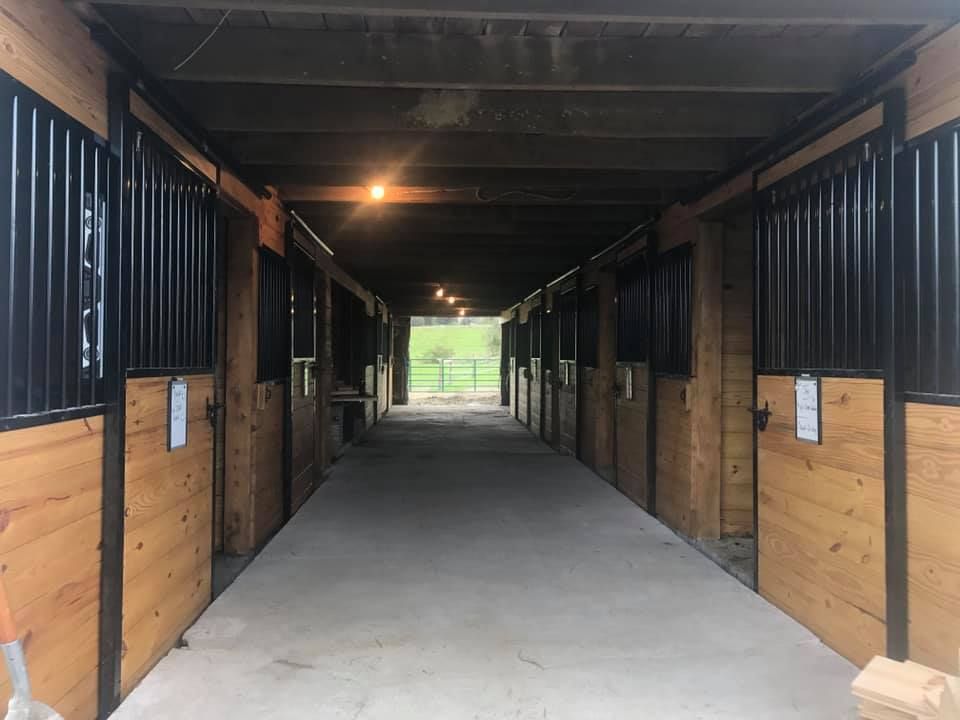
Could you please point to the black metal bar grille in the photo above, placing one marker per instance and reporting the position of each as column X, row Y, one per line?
column 536, row 332
column 273, row 321
column 587, row 344
column 548, row 349
column 818, row 264
column 568, row 325
column 304, row 304
column 673, row 289
column 506, row 345
column 171, row 240
column 633, row 310
column 523, row 344
column 929, row 264
column 384, row 347
column 349, row 336
column 52, row 271
column 370, row 335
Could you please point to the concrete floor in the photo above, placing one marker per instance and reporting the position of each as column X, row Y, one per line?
column 454, row 568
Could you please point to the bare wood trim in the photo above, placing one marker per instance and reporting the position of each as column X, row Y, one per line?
column 857, row 127
column 237, row 193
column 142, row 110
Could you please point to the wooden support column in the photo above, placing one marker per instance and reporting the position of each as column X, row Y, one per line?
column 239, row 496
column 706, row 415
column 401, row 361
column 604, row 377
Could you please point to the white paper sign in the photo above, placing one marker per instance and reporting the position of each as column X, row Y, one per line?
column 177, row 419
column 808, row 409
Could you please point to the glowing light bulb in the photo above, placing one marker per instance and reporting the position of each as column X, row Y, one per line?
column 377, row 192
column 451, row 299
column 462, row 312
column 439, row 292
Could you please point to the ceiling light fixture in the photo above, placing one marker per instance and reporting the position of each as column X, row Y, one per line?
column 451, row 299
column 377, row 192
column 462, row 312
column 439, row 292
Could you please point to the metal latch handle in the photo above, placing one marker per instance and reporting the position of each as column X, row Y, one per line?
column 761, row 416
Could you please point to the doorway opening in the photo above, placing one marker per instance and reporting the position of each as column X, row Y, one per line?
column 454, row 361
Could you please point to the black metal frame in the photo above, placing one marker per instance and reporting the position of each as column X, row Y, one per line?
column 52, row 286
column 894, row 411
column 117, row 324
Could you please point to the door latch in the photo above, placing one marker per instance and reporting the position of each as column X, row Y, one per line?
column 761, row 416
column 213, row 412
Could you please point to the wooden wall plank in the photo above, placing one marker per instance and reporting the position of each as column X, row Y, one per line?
column 821, row 535
column 268, row 465
column 933, row 515
column 932, row 84
column 50, row 501
column 47, row 48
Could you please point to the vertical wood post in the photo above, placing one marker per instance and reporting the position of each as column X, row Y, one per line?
column 706, row 421
column 401, row 361
column 241, row 370
column 605, row 375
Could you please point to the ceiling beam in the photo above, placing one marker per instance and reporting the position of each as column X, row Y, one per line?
column 346, row 213
column 292, row 108
column 481, row 196
column 383, row 152
column 754, row 12
column 542, row 262
column 300, row 57
column 334, row 230
column 440, row 247
column 453, row 177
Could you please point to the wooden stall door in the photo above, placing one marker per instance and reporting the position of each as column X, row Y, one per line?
column 632, row 409
column 821, row 513
column 168, row 534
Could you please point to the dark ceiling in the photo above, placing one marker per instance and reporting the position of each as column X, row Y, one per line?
column 514, row 142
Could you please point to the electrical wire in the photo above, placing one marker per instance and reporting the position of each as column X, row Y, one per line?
column 207, row 39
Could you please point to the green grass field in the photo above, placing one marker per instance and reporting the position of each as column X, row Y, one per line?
column 455, row 341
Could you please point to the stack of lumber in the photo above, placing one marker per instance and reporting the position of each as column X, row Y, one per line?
column 891, row 690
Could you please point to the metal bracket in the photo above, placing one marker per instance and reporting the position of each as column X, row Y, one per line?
column 761, row 416
column 213, row 412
